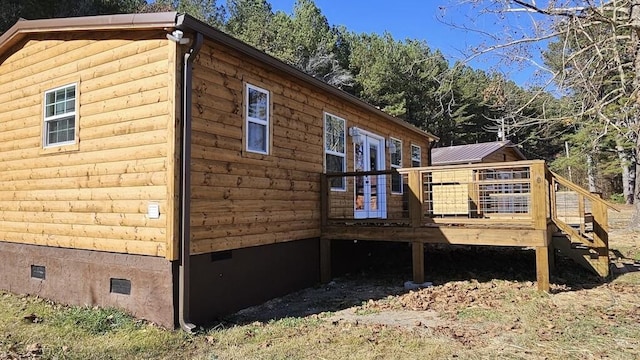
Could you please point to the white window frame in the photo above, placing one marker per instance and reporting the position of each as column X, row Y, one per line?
column 342, row 154
column 419, row 158
column 253, row 120
column 398, row 150
column 70, row 114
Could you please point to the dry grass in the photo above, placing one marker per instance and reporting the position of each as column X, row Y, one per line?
column 499, row 315
column 34, row 328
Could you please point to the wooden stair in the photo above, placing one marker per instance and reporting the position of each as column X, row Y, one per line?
column 582, row 250
column 585, row 239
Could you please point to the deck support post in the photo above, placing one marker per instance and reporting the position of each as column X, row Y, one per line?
column 551, row 249
column 552, row 258
column 415, row 197
column 539, row 204
column 325, row 260
column 417, row 250
column 540, row 211
column 601, row 236
column 543, row 265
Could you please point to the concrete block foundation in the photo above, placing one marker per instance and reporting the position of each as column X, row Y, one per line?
column 92, row 278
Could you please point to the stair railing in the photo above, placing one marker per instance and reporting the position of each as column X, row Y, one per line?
column 599, row 239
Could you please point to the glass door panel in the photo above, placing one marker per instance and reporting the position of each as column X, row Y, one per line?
column 370, row 190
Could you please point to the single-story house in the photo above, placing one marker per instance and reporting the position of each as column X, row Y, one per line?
column 153, row 163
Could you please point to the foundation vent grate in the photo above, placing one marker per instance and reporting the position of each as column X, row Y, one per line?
column 38, row 272
column 120, row 286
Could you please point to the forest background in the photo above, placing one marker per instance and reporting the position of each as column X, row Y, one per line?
column 582, row 121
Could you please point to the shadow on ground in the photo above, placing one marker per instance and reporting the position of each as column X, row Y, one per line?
column 372, row 271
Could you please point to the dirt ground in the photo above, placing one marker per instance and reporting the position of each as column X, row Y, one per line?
column 463, row 277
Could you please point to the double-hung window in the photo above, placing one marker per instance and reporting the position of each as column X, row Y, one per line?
column 257, row 119
column 395, row 148
column 335, row 149
column 416, row 156
column 60, row 116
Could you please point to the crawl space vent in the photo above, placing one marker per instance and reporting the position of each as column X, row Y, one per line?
column 120, row 286
column 38, row 272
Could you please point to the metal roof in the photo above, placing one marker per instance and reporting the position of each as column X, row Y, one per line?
column 84, row 23
column 186, row 23
column 471, row 153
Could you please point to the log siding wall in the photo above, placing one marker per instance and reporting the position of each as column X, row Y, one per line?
column 95, row 195
column 242, row 199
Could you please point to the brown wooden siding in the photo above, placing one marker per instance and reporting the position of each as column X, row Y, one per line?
column 94, row 196
column 242, row 199
column 505, row 154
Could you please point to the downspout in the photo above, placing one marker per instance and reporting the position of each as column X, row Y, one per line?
column 185, row 198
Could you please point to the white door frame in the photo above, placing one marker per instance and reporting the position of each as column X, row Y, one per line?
column 371, row 204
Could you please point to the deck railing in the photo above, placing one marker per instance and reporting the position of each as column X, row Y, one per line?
column 506, row 193
column 365, row 196
column 497, row 204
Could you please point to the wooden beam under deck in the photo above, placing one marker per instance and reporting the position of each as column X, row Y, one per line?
column 458, row 235
column 417, row 255
column 455, row 235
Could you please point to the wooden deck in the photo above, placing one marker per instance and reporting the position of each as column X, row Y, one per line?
column 498, row 204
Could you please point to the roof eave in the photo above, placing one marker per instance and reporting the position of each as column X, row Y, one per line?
column 101, row 22
column 169, row 20
column 185, row 21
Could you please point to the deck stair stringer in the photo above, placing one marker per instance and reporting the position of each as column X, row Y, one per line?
column 581, row 249
column 586, row 245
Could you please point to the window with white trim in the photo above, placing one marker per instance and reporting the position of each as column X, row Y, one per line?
column 335, row 149
column 60, row 116
column 257, row 119
column 416, row 156
column 395, row 150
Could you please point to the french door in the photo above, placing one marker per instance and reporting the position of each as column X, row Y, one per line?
column 370, row 190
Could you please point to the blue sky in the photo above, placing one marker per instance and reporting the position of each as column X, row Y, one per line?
column 422, row 19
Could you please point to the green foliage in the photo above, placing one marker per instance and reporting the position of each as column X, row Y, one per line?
column 467, row 110
column 204, row 10
column 617, row 198
column 400, row 77
column 251, row 22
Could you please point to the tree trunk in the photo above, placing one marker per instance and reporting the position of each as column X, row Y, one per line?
column 632, row 174
column 634, row 20
column 635, row 219
column 591, row 173
column 625, row 165
column 628, row 181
